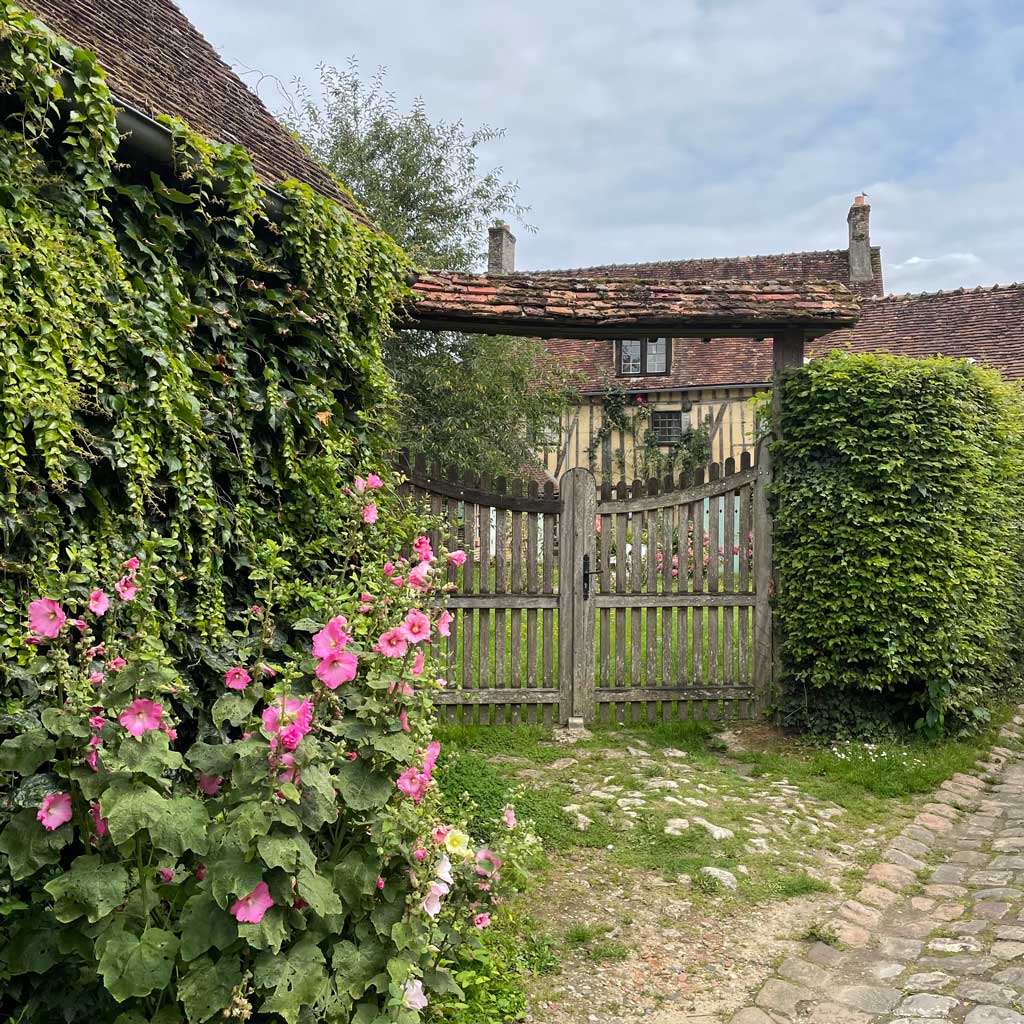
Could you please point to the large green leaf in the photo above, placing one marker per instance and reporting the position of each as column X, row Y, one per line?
column 270, row 933
column 26, row 752
column 29, row 846
column 31, row 946
column 206, row 987
column 133, row 965
column 232, row 707
column 149, row 755
column 205, row 926
column 353, row 967
column 362, row 788
column 297, row 976
column 285, row 851
column 89, row 887
column 318, row 892
column 175, row 824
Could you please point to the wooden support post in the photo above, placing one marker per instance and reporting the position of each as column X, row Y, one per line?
column 787, row 353
column 764, row 584
column 577, row 541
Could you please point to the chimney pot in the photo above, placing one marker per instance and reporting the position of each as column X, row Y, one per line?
column 501, row 249
column 861, row 270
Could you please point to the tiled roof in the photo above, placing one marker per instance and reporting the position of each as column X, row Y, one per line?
column 533, row 304
column 157, row 61
column 985, row 324
column 827, row 265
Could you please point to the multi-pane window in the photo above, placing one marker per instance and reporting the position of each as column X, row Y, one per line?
column 667, row 427
column 643, row 357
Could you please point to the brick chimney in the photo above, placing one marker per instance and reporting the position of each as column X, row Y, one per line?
column 861, row 270
column 501, row 249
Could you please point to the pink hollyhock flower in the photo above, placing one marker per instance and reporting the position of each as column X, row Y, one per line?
column 413, row 997
column 298, row 711
column 360, row 484
column 98, row 602
column 487, row 863
column 364, row 608
column 432, row 904
column 95, row 741
column 430, row 758
column 457, row 557
column 290, row 773
column 481, row 921
column 98, row 820
column 444, row 623
column 256, row 609
column 396, row 581
column 442, row 682
column 420, row 854
column 402, row 688
column 331, row 638
column 92, row 759
column 418, row 576
column 32, row 640
column 418, row 662
column 200, row 872
column 141, row 716
column 403, row 718
column 421, row 545
column 509, row 816
column 93, row 652
column 172, row 734
column 416, row 627
column 373, row 481
column 97, row 721
column 55, row 811
column 444, row 870
column 380, row 882
column 370, row 513
column 351, row 755
column 291, row 736
column 250, row 909
column 117, row 664
column 388, row 568
column 337, row 668
column 45, row 617
column 366, row 598
column 441, row 833
column 392, row 644
column 413, row 784
column 210, row 784
column 132, row 564
column 96, row 678
column 266, row 670
column 79, row 624
column 126, row 588
column 237, row 678
column 166, row 874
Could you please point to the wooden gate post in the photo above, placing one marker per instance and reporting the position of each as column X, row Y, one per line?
column 577, row 546
column 764, row 583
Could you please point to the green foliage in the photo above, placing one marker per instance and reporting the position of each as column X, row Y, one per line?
column 174, row 363
column 476, row 402
column 898, row 493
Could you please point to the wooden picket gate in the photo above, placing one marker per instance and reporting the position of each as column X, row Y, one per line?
column 639, row 602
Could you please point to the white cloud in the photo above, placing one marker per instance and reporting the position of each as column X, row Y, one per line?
column 678, row 128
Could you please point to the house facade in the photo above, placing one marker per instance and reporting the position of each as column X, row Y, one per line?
column 642, row 403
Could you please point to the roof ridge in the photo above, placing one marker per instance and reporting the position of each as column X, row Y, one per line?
column 696, row 259
column 962, row 290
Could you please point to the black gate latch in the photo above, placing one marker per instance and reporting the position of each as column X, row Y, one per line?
column 587, row 573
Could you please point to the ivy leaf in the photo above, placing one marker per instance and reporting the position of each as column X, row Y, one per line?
column 90, row 887
column 26, row 752
column 232, row 707
column 361, row 787
column 207, row 986
column 29, row 846
column 298, row 977
column 318, row 892
column 205, row 926
column 134, row 965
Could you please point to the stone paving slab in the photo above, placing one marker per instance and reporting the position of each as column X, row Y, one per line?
column 936, row 933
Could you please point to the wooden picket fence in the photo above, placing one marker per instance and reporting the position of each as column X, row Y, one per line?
column 643, row 601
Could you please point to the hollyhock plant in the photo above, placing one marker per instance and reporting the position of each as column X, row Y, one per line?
column 482, row 921
column 117, row 664
column 413, row 997
column 332, row 638
column 210, row 784
column 141, row 716
column 337, row 668
column 98, row 602
column 419, row 576
column 45, row 618
column 457, row 557
column 392, row 643
column 55, row 811
column 374, row 482
column 444, row 623
column 370, row 513
column 237, row 678
column 421, row 545
column 126, row 588
column 251, row 908
column 416, row 626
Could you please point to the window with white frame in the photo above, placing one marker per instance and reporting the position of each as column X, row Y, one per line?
column 642, row 357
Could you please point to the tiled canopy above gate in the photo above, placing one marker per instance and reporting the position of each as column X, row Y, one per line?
column 555, row 306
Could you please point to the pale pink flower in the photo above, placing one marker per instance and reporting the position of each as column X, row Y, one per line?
column 98, row 602
column 97, row 721
column 98, row 820
column 418, row 662
column 396, row 581
column 441, row 833
column 337, row 668
column 416, row 627
column 256, row 609
column 402, row 688
column 418, row 576
column 126, row 588
column 430, row 758
column 237, row 678
column 266, row 670
column 96, row 678
column 45, row 617
column 444, row 870
column 172, row 734
column 413, row 784
column 132, row 564
column 444, row 623
column 54, row 811
column 388, row 568
column 487, row 863
column 403, row 718
column 331, row 638
column 457, row 557
column 373, row 481
column 360, row 484
column 366, row 598
column 420, row 854
column 166, row 874
column 414, row 997
column 392, row 644
column 291, row 736
column 251, row 908
column 370, row 513
column 79, row 624
column 421, row 545
column 298, row 712
column 509, row 816
column 117, row 664
column 364, row 608
column 93, row 652
column 141, row 716
column 432, row 904
column 481, row 921
column 210, row 784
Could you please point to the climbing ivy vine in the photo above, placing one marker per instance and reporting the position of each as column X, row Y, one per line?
column 174, row 363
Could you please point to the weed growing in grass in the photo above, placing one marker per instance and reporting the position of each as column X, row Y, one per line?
column 786, row 886
column 580, row 935
column 608, row 952
column 819, row 931
column 706, row 884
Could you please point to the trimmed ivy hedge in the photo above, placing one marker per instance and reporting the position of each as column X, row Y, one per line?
column 173, row 364
column 899, row 493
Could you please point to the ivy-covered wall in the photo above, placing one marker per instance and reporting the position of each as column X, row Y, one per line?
column 173, row 364
column 899, row 492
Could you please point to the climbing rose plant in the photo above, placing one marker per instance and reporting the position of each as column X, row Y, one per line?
column 277, row 856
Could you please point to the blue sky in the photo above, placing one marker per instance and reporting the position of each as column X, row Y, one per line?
column 668, row 129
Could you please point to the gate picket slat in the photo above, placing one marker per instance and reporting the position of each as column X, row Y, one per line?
column 746, row 523
column 452, row 541
column 636, row 583
column 500, row 587
column 621, row 565
column 605, row 670
column 468, row 614
column 728, row 578
column 653, row 662
column 714, row 512
column 550, row 524
column 483, row 633
column 668, row 522
column 533, row 587
column 699, row 551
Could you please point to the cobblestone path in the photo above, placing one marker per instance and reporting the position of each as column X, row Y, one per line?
column 936, row 934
